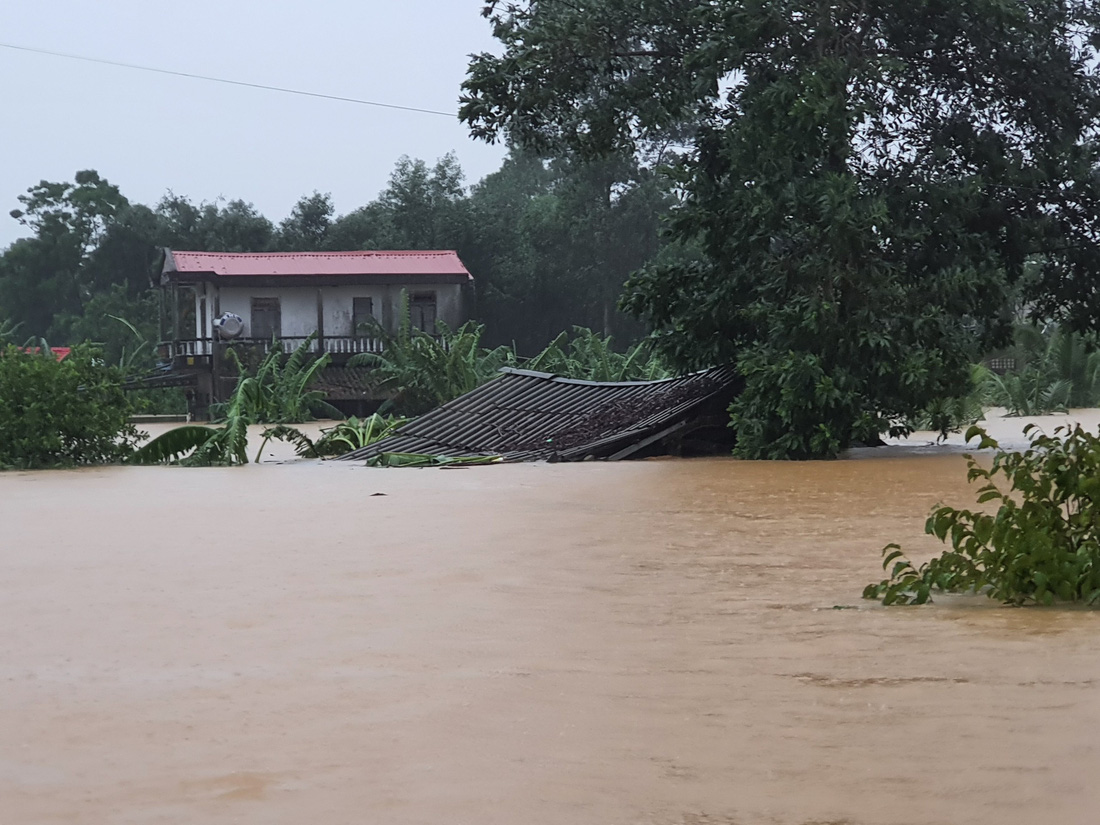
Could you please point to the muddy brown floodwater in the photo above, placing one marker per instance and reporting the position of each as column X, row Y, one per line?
column 655, row 643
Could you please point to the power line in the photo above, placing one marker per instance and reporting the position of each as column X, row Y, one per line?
column 224, row 80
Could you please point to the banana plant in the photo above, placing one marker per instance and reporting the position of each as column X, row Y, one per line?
column 356, row 433
column 279, row 392
column 198, row 446
column 423, row 371
column 589, row 356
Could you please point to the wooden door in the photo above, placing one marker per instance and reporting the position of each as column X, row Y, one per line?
column 267, row 319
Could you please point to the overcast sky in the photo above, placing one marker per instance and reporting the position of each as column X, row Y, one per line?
column 149, row 133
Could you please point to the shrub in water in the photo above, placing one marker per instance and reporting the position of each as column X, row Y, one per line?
column 61, row 413
column 1041, row 545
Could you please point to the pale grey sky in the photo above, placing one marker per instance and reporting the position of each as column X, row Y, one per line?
column 149, row 133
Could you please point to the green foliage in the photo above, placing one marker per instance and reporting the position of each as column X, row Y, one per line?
column 235, row 226
column 342, row 438
column 950, row 415
column 552, row 241
column 197, row 446
column 589, row 356
column 1043, row 543
column 422, row 371
column 276, row 394
column 124, row 328
column 174, row 445
column 355, row 433
column 865, row 183
column 8, row 331
column 83, row 208
column 308, row 226
column 279, row 392
column 1030, row 392
column 1056, row 369
column 303, row 444
column 48, row 274
column 61, row 413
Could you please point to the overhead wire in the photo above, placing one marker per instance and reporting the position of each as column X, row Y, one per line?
column 193, row 76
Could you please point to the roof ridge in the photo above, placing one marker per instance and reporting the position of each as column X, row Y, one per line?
column 333, row 253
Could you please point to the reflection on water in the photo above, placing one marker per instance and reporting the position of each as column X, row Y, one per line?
column 659, row 642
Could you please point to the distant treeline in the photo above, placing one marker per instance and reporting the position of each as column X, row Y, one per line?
column 549, row 242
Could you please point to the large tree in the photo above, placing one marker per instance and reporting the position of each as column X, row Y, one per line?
column 552, row 243
column 47, row 275
column 307, row 227
column 866, row 181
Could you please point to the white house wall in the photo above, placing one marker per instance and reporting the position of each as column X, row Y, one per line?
column 298, row 306
column 204, row 310
column 338, row 305
column 448, row 303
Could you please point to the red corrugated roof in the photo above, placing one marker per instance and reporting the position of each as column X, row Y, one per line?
column 229, row 264
column 60, row 353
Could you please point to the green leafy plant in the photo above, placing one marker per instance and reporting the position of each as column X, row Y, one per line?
column 276, row 394
column 174, row 445
column 355, row 433
column 851, row 189
column 130, row 359
column 1032, row 392
column 344, row 437
column 279, row 391
column 304, row 445
column 1043, row 543
column 8, row 330
column 1056, row 369
column 198, row 446
column 422, row 371
column 589, row 356
column 949, row 415
column 62, row 413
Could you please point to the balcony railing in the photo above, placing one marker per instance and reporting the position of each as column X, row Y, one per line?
column 336, row 345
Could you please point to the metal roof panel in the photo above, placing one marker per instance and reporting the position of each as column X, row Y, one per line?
column 350, row 264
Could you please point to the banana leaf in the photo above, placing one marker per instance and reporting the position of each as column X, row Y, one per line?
column 174, row 444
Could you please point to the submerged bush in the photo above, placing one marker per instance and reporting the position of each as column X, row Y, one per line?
column 586, row 355
column 1041, row 546
column 61, row 413
column 353, row 434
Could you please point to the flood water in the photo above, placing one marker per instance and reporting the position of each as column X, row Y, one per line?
column 655, row 643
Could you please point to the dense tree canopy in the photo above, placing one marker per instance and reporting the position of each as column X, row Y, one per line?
column 550, row 244
column 866, row 182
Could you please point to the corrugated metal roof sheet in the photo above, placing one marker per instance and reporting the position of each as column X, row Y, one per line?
column 528, row 416
column 343, row 383
column 266, row 264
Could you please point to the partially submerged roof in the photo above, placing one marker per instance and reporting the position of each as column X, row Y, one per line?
column 357, row 265
column 344, row 383
column 60, row 353
column 529, row 416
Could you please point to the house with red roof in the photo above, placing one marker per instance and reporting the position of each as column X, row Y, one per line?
column 212, row 300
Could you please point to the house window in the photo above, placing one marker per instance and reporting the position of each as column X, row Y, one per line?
column 362, row 316
column 267, row 319
column 422, row 312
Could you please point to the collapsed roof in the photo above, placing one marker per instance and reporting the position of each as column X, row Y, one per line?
column 530, row 416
